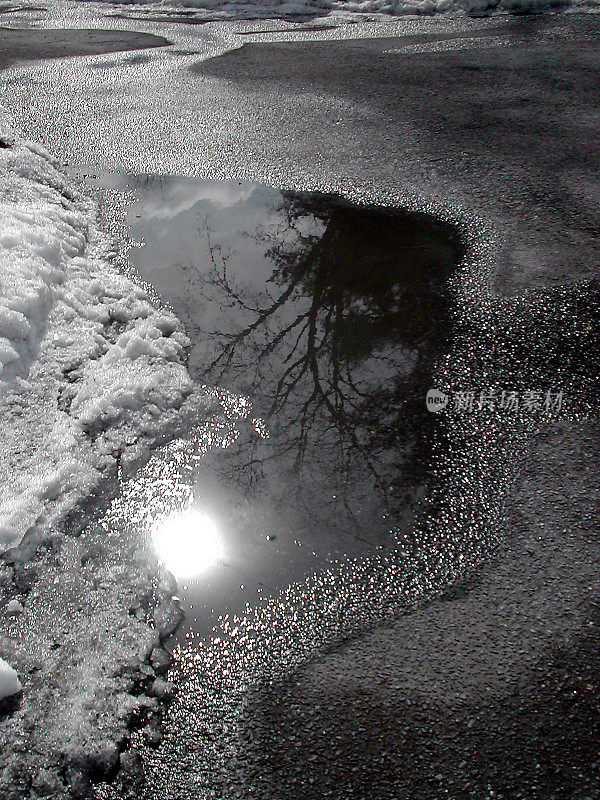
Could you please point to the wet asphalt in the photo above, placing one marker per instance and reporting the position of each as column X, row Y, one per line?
column 507, row 115
column 31, row 45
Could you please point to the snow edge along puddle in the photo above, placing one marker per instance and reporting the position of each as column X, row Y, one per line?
column 92, row 376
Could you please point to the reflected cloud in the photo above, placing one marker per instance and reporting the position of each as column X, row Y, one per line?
column 188, row 542
column 166, row 198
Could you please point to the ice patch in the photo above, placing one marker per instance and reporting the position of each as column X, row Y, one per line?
column 14, row 607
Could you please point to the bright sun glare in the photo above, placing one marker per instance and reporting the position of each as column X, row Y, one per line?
column 188, row 542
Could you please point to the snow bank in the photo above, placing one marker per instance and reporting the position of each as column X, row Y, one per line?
column 91, row 373
column 9, row 681
column 282, row 8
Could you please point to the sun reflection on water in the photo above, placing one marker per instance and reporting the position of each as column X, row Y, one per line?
column 188, row 542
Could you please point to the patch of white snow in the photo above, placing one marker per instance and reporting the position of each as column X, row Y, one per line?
column 91, row 372
column 9, row 680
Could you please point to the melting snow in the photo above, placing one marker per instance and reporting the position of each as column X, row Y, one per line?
column 91, row 372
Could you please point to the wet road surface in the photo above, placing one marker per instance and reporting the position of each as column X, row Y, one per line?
column 506, row 113
column 478, row 691
column 31, row 44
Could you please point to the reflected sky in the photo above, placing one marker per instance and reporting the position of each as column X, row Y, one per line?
column 325, row 320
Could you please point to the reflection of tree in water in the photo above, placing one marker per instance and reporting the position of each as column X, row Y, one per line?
column 336, row 351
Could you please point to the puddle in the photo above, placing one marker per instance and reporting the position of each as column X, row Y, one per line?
column 245, row 266
column 325, row 319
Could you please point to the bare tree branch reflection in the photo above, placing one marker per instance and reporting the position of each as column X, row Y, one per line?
column 339, row 343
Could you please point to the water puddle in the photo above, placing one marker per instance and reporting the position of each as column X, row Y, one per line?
column 325, row 320
column 30, row 44
column 322, row 324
